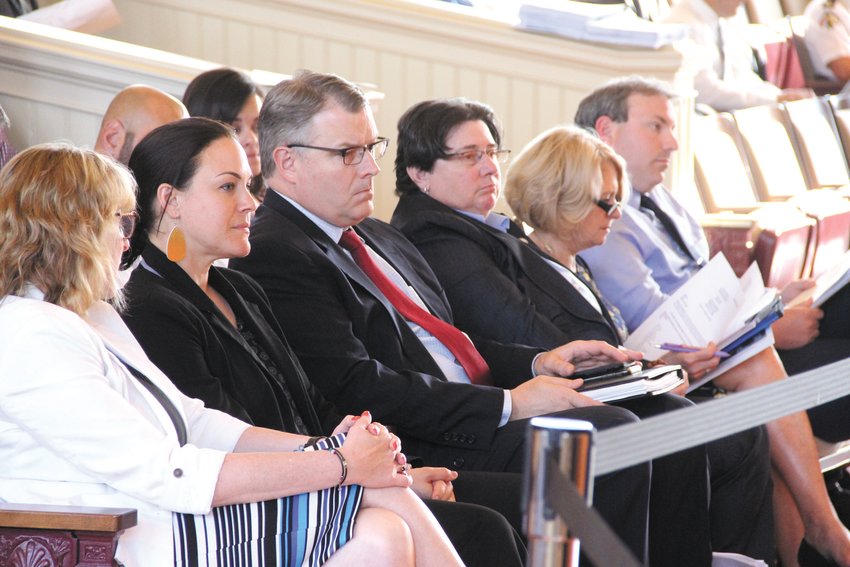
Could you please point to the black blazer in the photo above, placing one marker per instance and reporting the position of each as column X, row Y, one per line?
column 353, row 344
column 498, row 284
column 185, row 335
column 13, row 8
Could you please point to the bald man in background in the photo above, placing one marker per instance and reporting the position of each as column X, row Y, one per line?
column 132, row 114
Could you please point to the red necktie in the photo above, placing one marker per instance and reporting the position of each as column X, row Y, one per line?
column 454, row 340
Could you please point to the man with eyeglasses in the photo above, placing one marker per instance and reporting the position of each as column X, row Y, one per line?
column 371, row 327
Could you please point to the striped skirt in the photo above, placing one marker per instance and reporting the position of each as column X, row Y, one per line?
column 301, row 530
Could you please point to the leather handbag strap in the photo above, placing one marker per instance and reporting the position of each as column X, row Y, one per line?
column 169, row 407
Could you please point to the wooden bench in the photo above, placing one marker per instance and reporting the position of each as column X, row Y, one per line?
column 61, row 536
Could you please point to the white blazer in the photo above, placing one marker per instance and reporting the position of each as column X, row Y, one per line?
column 77, row 428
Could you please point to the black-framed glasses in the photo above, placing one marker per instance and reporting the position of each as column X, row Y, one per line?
column 609, row 206
column 127, row 223
column 353, row 155
column 473, row 156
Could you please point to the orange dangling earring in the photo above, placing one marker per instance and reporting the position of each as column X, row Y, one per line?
column 175, row 247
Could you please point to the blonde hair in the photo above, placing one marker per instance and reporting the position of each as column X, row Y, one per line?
column 57, row 216
column 553, row 179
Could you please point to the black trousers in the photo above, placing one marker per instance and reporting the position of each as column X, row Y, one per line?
column 829, row 420
column 742, row 495
column 481, row 536
column 836, row 316
column 621, row 497
column 679, row 520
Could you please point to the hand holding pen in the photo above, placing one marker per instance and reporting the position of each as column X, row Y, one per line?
column 697, row 361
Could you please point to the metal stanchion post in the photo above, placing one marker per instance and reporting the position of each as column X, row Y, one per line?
column 568, row 444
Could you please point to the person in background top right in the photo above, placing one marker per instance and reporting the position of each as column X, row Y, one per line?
column 726, row 79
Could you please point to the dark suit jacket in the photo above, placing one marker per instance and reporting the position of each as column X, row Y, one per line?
column 353, row 344
column 185, row 335
column 14, row 8
column 498, row 284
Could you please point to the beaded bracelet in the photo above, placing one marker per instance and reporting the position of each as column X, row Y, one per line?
column 342, row 463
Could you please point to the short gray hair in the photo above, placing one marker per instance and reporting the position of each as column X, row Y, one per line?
column 290, row 106
column 612, row 99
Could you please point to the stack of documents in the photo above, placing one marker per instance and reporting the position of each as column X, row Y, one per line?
column 604, row 23
column 713, row 306
column 632, row 381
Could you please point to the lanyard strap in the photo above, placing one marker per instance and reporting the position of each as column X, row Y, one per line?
column 169, row 407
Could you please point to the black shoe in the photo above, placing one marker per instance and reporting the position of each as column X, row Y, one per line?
column 808, row 556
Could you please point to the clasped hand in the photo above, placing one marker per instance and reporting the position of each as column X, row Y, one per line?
column 373, row 453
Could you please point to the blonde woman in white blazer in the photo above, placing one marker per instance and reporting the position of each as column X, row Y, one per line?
column 77, row 425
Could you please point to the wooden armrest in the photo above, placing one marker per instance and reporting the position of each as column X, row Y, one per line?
column 61, row 536
column 74, row 518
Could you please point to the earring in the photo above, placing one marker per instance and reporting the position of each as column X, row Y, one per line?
column 175, row 247
column 426, row 190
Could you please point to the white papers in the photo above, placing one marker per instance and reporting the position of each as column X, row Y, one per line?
column 827, row 284
column 605, row 23
column 87, row 16
column 711, row 306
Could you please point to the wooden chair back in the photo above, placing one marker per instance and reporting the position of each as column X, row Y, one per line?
column 817, row 143
column 720, row 170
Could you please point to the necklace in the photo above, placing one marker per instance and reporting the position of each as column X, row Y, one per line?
column 565, row 259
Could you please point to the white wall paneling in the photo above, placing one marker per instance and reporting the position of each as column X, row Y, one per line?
column 411, row 49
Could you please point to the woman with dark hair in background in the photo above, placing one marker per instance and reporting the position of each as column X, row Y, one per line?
column 232, row 97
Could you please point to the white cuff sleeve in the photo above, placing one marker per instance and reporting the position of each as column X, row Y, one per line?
column 507, row 408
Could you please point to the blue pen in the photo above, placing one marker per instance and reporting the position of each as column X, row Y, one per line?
column 684, row 348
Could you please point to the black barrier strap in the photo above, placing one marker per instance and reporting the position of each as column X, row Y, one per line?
column 598, row 540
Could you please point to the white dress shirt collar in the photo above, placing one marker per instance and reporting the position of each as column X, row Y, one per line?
column 334, row 232
column 493, row 220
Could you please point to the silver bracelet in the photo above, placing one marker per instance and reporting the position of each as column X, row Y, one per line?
column 342, row 463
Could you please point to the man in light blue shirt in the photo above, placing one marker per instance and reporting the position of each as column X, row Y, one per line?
column 653, row 250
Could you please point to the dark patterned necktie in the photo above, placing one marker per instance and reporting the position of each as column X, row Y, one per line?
column 613, row 313
column 647, row 203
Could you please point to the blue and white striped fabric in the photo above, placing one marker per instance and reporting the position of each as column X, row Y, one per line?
column 301, row 530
